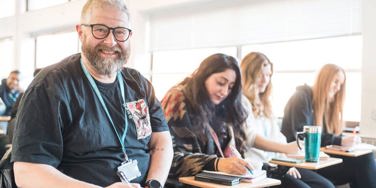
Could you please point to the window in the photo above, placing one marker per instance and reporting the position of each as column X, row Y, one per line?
column 52, row 48
column 297, row 62
column 38, row 4
column 7, row 8
column 6, row 57
column 171, row 67
column 27, row 61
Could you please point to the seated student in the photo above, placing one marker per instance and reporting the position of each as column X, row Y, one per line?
column 9, row 90
column 257, row 71
column 13, row 113
column 17, row 103
column 322, row 105
column 206, row 120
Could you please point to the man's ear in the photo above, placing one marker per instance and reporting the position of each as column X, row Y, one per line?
column 79, row 31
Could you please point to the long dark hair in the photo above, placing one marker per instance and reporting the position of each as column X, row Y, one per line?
column 230, row 110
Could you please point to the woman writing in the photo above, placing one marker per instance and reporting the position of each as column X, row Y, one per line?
column 206, row 120
column 322, row 105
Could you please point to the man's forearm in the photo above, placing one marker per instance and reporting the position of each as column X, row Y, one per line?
column 161, row 156
column 30, row 175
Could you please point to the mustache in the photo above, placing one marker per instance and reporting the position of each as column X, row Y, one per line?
column 106, row 48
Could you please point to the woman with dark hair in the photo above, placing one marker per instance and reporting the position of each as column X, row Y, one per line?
column 257, row 71
column 322, row 105
column 206, row 120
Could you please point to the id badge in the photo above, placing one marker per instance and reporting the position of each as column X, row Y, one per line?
column 128, row 170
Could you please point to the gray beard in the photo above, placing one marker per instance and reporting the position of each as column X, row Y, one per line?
column 106, row 66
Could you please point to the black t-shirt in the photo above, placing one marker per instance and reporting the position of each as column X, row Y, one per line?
column 62, row 123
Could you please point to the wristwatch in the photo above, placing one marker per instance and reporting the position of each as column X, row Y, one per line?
column 152, row 183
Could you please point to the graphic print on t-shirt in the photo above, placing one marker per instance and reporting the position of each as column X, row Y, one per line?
column 140, row 115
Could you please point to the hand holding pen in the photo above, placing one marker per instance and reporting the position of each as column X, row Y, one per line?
column 234, row 165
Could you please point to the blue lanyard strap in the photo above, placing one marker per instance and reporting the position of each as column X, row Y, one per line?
column 99, row 95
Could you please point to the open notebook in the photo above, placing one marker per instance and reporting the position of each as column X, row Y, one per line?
column 357, row 147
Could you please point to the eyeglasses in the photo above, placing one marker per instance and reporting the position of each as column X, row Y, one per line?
column 100, row 31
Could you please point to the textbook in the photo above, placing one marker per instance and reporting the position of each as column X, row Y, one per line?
column 256, row 175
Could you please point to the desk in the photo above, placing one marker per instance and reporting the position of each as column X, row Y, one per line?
column 344, row 153
column 267, row 182
column 4, row 118
column 4, row 124
column 310, row 165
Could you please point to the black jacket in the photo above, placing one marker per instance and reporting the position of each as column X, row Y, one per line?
column 299, row 112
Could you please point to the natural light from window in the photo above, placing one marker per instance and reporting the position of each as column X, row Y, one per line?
column 171, row 67
column 53, row 48
column 6, row 57
column 297, row 62
column 38, row 4
column 7, row 8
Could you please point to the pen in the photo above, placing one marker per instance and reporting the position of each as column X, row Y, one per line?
column 249, row 170
column 237, row 154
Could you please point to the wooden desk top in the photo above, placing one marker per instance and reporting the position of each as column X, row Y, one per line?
column 267, row 182
column 310, row 165
column 345, row 153
column 4, row 118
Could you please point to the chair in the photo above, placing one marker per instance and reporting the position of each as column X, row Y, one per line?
column 6, row 171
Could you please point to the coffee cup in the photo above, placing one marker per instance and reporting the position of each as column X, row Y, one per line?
column 312, row 141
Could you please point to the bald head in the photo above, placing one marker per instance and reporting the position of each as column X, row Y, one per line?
column 101, row 4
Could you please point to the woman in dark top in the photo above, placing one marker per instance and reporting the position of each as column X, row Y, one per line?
column 206, row 120
column 322, row 105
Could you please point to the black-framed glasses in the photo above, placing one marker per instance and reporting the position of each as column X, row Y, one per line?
column 101, row 31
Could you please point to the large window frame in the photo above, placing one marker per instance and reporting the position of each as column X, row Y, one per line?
column 287, row 75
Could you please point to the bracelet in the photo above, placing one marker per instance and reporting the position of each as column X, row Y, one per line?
column 216, row 164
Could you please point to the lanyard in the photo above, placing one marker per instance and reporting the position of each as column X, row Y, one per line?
column 97, row 92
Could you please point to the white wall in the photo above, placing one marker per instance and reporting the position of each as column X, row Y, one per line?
column 368, row 118
column 221, row 23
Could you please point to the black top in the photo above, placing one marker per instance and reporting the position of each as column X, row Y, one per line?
column 299, row 112
column 62, row 123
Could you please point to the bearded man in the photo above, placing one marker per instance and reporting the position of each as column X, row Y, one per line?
column 79, row 123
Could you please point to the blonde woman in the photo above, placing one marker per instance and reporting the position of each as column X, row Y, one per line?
column 322, row 105
column 257, row 71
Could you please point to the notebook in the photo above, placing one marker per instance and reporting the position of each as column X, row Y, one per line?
column 217, row 178
column 250, row 178
column 357, row 147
